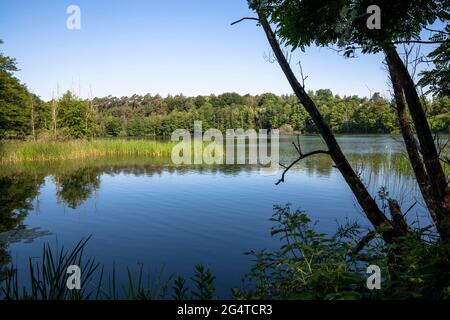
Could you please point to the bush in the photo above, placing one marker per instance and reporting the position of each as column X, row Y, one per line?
column 312, row 265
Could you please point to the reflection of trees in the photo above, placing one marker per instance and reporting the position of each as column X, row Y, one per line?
column 76, row 187
column 5, row 259
column 17, row 192
column 76, row 181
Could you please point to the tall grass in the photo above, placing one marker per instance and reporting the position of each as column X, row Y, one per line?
column 11, row 152
column 48, row 277
column 23, row 151
column 48, row 280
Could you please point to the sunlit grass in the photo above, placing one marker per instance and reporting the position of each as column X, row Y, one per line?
column 11, row 152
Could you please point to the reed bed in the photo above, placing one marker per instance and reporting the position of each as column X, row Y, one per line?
column 13, row 152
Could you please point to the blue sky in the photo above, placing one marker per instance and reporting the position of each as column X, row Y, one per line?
column 165, row 47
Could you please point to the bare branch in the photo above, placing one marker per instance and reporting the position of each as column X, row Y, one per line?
column 297, row 148
column 413, row 57
column 410, row 208
column 271, row 58
column 441, row 146
column 301, row 74
column 302, row 156
column 245, row 18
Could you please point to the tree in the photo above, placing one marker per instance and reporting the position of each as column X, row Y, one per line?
column 438, row 78
column 136, row 127
column 14, row 102
column 386, row 227
column 112, row 127
column 302, row 23
column 72, row 116
column 230, row 110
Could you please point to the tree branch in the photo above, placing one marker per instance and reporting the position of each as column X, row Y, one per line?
column 421, row 41
column 368, row 204
column 302, row 156
column 437, row 31
column 245, row 18
column 301, row 74
column 363, row 242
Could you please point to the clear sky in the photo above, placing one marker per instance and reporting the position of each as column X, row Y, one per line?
column 165, row 47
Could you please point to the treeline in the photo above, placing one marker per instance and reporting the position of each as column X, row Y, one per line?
column 25, row 115
column 149, row 115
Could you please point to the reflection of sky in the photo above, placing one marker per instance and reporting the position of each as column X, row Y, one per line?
column 179, row 220
column 180, row 217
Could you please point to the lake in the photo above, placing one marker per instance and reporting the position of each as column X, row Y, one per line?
column 167, row 217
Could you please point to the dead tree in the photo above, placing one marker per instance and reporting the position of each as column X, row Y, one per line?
column 33, row 124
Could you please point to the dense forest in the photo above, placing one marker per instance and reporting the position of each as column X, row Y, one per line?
column 25, row 115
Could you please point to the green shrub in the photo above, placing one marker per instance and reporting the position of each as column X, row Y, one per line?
column 312, row 265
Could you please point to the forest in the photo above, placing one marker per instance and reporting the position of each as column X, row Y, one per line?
column 24, row 115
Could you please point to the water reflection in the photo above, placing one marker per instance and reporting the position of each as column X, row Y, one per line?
column 380, row 161
column 17, row 191
column 76, row 181
column 73, row 188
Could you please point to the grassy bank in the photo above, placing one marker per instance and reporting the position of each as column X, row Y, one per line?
column 13, row 152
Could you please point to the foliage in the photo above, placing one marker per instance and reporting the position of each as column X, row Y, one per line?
column 312, row 265
column 48, row 279
column 309, row 265
column 81, row 149
column 344, row 22
column 156, row 116
column 112, row 127
column 74, row 115
column 15, row 102
column 17, row 191
column 438, row 78
column 204, row 283
column 180, row 292
column 75, row 187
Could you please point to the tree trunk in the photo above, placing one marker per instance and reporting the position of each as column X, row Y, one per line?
column 411, row 146
column 438, row 182
column 33, row 126
column 367, row 203
column 54, row 111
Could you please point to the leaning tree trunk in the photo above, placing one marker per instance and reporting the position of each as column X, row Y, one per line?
column 411, row 146
column 365, row 200
column 438, row 182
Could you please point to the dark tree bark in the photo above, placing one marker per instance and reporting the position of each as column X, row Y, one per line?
column 439, row 188
column 398, row 220
column 365, row 200
column 411, row 145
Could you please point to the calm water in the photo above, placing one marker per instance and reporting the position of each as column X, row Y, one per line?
column 159, row 215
